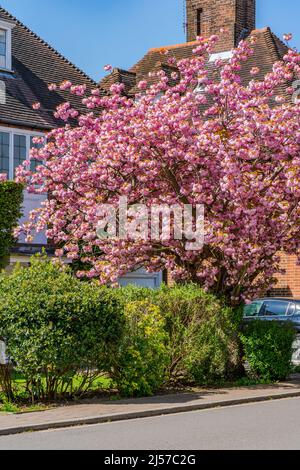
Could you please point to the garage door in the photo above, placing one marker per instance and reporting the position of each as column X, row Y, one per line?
column 143, row 279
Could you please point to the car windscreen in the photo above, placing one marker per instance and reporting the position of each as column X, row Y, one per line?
column 252, row 310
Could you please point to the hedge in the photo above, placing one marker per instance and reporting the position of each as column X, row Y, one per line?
column 268, row 348
column 11, row 198
column 57, row 327
column 142, row 360
column 203, row 341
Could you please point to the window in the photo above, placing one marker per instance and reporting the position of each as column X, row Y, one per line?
column 5, row 44
column 253, row 309
column 3, row 47
column 15, row 146
column 199, row 21
column 4, row 153
column 297, row 309
column 275, row 308
column 221, row 56
column 20, row 150
column 291, row 309
column 2, row 92
column 34, row 163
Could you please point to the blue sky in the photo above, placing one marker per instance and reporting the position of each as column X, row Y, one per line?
column 92, row 33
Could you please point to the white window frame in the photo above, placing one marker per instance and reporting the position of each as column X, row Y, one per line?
column 15, row 131
column 221, row 55
column 8, row 28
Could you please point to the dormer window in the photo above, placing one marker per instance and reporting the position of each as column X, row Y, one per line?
column 221, row 56
column 3, row 47
column 5, row 44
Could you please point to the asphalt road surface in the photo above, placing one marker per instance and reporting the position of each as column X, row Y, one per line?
column 267, row 426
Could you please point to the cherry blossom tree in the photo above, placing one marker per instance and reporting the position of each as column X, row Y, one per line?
column 232, row 147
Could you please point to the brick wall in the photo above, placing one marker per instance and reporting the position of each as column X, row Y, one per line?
column 289, row 283
column 233, row 15
column 167, row 278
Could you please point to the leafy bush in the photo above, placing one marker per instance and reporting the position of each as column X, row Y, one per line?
column 11, row 198
column 56, row 326
column 134, row 293
column 213, row 349
column 268, row 349
column 142, row 360
column 203, row 332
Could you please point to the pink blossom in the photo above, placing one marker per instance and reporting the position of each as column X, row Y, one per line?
column 59, row 253
column 143, row 85
column 65, row 85
column 255, row 70
column 78, row 90
column 235, row 148
column 171, row 60
column 52, row 87
column 36, row 106
column 38, row 140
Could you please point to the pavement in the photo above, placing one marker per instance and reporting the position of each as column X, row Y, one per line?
column 103, row 411
column 271, row 425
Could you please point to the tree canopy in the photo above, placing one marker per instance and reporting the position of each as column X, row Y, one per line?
column 191, row 136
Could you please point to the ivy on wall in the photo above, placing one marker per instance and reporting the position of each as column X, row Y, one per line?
column 11, row 198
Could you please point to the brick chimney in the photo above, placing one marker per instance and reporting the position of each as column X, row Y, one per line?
column 207, row 17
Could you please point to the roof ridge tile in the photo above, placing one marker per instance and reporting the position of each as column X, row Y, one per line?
column 173, row 46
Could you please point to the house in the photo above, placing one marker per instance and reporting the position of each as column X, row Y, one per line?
column 27, row 66
column 205, row 18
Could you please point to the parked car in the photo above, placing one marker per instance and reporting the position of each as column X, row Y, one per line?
column 274, row 309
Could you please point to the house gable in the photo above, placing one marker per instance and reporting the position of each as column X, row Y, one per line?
column 35, row 64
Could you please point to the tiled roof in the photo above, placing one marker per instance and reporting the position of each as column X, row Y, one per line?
column 35, row 64
column 119, row 76
column 267, row 50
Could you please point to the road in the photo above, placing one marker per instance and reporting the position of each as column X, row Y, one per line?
column 267, row 426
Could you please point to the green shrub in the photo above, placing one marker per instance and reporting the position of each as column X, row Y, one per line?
column 11, row 198
column 56, row 326
column 213, row 352
column 203, row 332
column 268, row 349
column 142, row 360
column 133, row 293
